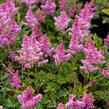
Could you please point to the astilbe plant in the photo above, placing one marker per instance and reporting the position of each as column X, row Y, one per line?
column 30, row 52
column 61, row 55
column 60, row 106
column 93, row 56
column 31, row 20
column 14, row 77
column 27, row 2
column 49, row 7
column 62, row 21
column 85, row 103
column 63, row 4
column 8, row 25
column 27, row 99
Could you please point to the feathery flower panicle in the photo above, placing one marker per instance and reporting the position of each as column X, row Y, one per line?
column 8, row 35
column 93, row 56
column 30, row 52
column 61, row 55
column 62, row 21
column 4, row 16
column 12, row 10
column 41, row 1
column 63, row 4
column 60, row 106
column 14, row 77
column 106, row 41
column 88, row 99
column 80, row 27
column 30, row 18
column 42, row 62
column 105, row 73
column 27, row 99
column 75, row 45
column 49, row 7
column 37, row 33
column 45, row 44
column 27, row 2
column 87, row 13
column 40, row 15
column 1, row 107
column 85, row 103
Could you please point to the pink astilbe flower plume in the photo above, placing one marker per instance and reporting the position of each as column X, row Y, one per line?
column 8, row 35
column 106, row 41
column 40, row 15
column 62, row 21
column 60, row 106
column 85, row 103
column 93, row 57
column 88, row 99
column 49, row 7
column 63, row 4
column 4, row 16
column 75, row 45
column 37, row 32
column 30, row 18
column 12, row 10
column 30, row 52
column 27, row 2
column 27, row 99
column 61, row 55
column 41, row 1
column 14, row 77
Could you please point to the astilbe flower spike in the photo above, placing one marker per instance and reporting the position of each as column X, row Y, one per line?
column 80, row 27
column 60, row 106
column 14, row 77
column 93, row 56
column 30, row 52
column 49, row 7
column 62, row 21
column 88, row 99
column 9, row 34
column 12, row 10
column 41, row 1
column 40, row 15
column 106, row 41
column 61, row 55
column 75, row 45
column 63, row 4
column 27, row 99
column 4, row 16
column 27, row 2
column 85, row 103
column 30, row 18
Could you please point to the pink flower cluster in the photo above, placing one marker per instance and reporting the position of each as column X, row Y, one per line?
column 27, row 2
column 15, row 81
column 27, row 100
column 63, row 4
column 30, row 52
column 80, row 27
column 106, row 41
column 62, row 21
column 49, row 7
column 85, row 103
column 61, row 55
column 74, row 45
column 8, row 25
column 60, row 106
column 34, row 19
column 93, row 57
column 105, row 73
